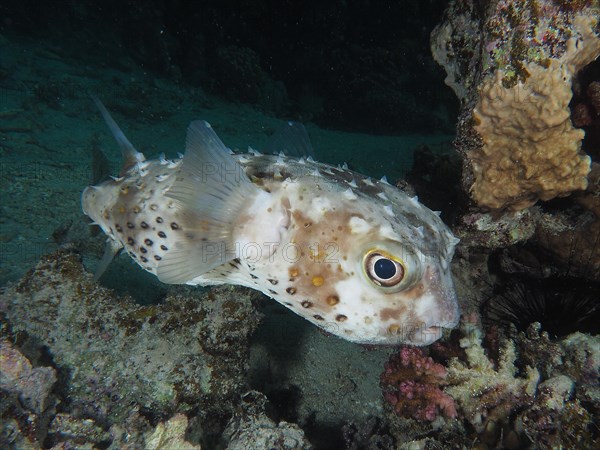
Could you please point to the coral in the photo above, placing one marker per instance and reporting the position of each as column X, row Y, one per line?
column 514, row 80
column 567, row 426
column 537, row 350
column 478, row 229
column 170, row 435
column 71, row 432
column 117, row 357
column 26, row 401
column 582, row 358
column 252, row 429
column 411, row 384
column 556, row 421
column 538, row 393
column 484, row 392
column 18, row 376
column 530, row 150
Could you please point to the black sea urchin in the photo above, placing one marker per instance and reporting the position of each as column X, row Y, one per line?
column 562, row 305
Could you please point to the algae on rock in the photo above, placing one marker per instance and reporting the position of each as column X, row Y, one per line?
column 117, row 357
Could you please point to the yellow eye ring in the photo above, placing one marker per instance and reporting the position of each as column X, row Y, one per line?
column 383, row 269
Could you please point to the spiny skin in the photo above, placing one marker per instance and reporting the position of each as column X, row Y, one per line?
column 305, row 239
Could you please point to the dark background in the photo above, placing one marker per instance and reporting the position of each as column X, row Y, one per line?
column 354, row 65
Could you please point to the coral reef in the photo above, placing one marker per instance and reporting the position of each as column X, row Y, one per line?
column 251, row 428
column 522, row 391
column 514, row 79
column 116, row 357
column 411, row 384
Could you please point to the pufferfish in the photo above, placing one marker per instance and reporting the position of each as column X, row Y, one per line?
column 356, row 257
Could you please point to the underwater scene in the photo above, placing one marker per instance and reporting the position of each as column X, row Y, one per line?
column 343, row 224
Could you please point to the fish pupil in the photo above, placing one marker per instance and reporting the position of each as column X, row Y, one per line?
column 384, row 268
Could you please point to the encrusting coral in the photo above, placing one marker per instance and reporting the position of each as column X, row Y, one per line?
column 514, row 79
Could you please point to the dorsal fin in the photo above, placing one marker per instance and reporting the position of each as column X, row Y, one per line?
column 291, row 139
column 128, row 152
column 211, row 189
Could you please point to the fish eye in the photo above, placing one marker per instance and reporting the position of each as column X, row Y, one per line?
column 383, row 270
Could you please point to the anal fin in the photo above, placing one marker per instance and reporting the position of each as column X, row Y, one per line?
column 111, row 249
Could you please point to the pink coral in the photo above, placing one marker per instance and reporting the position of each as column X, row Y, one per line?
column 411, row 384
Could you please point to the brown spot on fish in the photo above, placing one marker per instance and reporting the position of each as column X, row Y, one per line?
column 174, row 226
column 130, row 225
column 341, row 318
column 293, row 272
column 148, row 242
column 144, row 225
column 156, row 257
column 272, row 281
column 143, row 250
column 164, row 247
column 307, row 304
column 291, row 290
column 159, row 220
column 318, row 317
column 332, row 300
column 130, row 240
column 162, row 234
